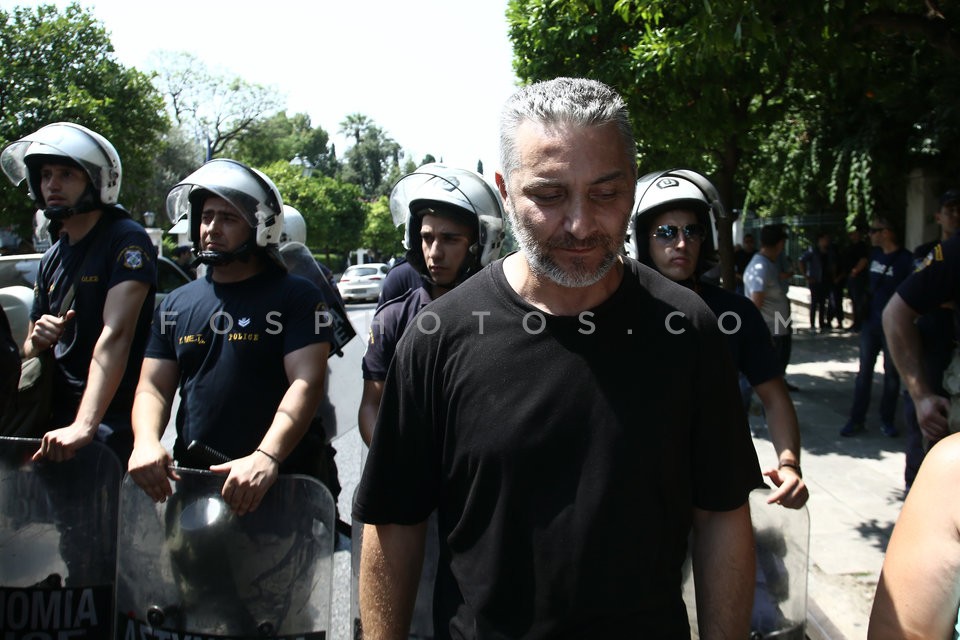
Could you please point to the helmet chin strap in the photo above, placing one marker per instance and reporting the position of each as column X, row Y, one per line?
column 85, row 204
column 220, row 258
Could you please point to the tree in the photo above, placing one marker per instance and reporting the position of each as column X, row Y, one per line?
column 714, row 86
column 61, row 67
column 335, row 212
column 373, row 161
column 283, row 137
column 381, row 234
column 218, row 108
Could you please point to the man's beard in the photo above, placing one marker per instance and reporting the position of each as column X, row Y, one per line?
column 538, row 254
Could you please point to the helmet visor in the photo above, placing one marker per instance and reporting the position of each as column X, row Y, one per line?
column 428, row 187
column 52, row 140
column 225, row 179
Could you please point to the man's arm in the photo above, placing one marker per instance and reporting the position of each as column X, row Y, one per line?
column 919, row 584
column 369, row 407
column 785, row 432
column 120, row 314
column 903, row 341
column 724, row 566
column 150, row 462
column 249, row 477
column 390, row 564
column 757, row 298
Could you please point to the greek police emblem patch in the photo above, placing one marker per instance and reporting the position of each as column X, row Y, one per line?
column 132, row 258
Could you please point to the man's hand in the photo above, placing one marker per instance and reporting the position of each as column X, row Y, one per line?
column 47, row 331
column 791, row 489
column 932, row 415
column 62, row 444
column 248, row 479
column 151, row 468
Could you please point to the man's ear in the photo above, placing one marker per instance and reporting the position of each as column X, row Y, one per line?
column 501, row 184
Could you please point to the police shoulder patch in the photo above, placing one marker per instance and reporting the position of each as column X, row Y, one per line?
column 133, row 257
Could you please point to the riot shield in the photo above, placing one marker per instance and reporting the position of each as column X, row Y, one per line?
column 299, row 261
column 58, row 523
column 782, row 539
column 421, row 625
column 191, row 567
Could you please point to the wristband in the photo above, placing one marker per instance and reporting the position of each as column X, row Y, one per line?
column 792, row 465
column 273, row 457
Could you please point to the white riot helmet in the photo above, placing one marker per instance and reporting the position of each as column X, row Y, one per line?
column 249, row 191
column 458, row 193
column 65, row 143
column 662, row 191
column 294, row 226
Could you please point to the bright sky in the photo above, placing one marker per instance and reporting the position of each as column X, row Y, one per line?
column 432, row 73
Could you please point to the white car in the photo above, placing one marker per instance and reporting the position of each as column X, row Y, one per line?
column 18, row 273
column 362, row 282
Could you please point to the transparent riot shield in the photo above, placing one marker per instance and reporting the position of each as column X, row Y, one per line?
column 780, row 597
column 58, row 523
column 421, row 625
column 191, row 567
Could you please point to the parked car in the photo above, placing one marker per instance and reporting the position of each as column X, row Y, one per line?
column 362, row 282
column 18, row 273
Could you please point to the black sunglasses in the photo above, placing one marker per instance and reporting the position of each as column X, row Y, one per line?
column 668, row 232
column 877, row 229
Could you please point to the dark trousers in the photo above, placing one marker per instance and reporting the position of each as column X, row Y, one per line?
column 819, row 298
column 936, row 339
column 872, row 342
column 857, row 290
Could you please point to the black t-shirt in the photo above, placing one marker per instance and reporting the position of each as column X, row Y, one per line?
column 747, row 334
column 564, row 455
column 229, row 341
column 123, row 252
column 386, row 328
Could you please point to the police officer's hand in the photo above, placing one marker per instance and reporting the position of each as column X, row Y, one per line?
column 62, row 444
column 791, row 490
column 48, row 330
column 151, row 467
column 247, row 481
column 932, row 412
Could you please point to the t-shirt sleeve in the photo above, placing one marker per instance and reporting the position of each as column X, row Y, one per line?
column 381, row 344
column 937, row 279
column 724, row 460
column 133, row 257
column 162, row 341
column 305, row 320
column 758, row 358
column 399, row 481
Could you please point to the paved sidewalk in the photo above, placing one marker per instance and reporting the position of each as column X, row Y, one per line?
column 856, row 484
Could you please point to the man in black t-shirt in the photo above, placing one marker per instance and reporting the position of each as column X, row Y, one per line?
column 570, row 414
column 247, row 344
column 108, row 262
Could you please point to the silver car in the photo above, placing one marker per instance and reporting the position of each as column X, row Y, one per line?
column 362, row 282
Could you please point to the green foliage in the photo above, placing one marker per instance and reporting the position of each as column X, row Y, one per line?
column 373, row 161
column 334, row 212
column 60, row 66
column 281, row 137
column 381, row 235
column 790, row 107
